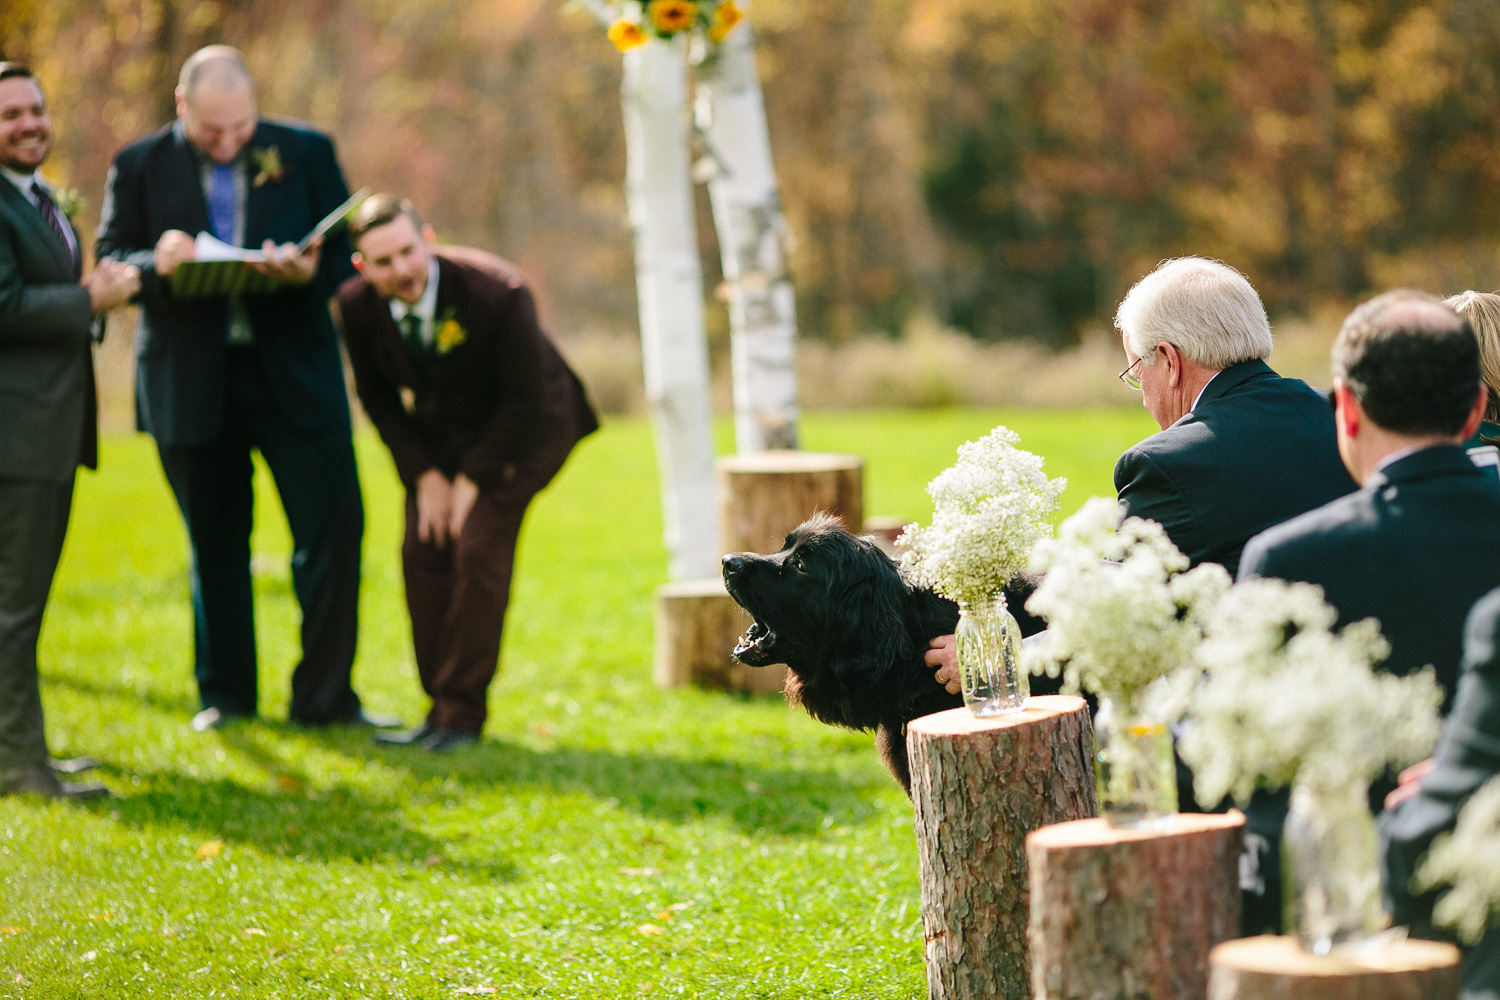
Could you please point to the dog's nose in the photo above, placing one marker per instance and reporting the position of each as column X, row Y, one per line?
column 733, row 563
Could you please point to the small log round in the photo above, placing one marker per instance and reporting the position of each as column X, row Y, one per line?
column 1276, row 968
column 764, row 495
column 697, row 623
column 979, row 786
column 1118, row 914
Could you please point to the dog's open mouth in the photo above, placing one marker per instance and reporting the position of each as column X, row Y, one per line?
column 755, row 644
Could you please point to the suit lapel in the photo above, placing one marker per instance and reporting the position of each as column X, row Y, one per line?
column 388, row 341
column 32, row 216
column 256, row 197
column 179, row 171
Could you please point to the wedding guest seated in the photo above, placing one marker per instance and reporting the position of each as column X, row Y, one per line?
column 1431, row 794
column 1482, row 310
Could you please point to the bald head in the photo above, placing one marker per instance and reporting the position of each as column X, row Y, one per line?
column 216, row 102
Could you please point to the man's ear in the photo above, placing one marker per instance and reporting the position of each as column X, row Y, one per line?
column 1173, row 358
column 358, row 260
column 1476, row 416
column 1347, row 414
column 428, row 233
column 180, row 96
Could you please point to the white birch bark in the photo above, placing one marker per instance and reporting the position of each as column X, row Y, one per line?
column 669, row 289
column 748, row 218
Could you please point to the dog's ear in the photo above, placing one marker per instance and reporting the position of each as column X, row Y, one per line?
column 869, row 634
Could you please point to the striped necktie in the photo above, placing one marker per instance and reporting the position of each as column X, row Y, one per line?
column 54, row 219
column 411, row 336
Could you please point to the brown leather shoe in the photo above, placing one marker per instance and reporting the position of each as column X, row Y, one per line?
column 38, row 779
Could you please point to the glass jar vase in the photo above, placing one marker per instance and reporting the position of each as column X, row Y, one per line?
column 1331, row 863
column 1135, row 774
column 987, row 645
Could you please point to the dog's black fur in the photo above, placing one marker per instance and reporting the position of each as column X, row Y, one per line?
column 851, row 628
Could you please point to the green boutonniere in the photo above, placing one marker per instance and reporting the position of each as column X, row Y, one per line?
column 450, row 333
column 268, row 165
column 69, row 202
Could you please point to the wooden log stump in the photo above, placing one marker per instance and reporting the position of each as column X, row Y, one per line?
column 1120, row 914
column 979, row 786
column 764, row 495
column 1276, row 968
column 697, row 623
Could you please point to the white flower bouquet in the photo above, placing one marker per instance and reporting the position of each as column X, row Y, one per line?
column 1120, row 610
column 1287, row 700
column 989, row 509
column 1468, row 859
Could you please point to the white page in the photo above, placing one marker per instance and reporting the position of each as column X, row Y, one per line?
column 207, row 248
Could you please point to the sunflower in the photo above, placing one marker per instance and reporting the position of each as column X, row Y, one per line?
column 626, row 35
column 726, row 16
column 672, row 16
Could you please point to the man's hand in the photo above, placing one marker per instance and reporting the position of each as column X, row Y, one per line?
column 464, row 495
column 174, row 247
column 111, row 284
column 434, row 507
column 1409, row 782
column 941, row 654
column 286, row 265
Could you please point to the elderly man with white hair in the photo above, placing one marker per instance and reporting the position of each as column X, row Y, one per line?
column 1240, row 448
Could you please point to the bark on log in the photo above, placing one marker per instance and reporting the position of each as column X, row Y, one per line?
column 763, row 496
column 979, row 786
column 1276, row 968
column 1132, row 914
column 697, row 623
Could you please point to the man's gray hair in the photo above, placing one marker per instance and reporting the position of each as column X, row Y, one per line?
column 221, row 66
column 1204, row 308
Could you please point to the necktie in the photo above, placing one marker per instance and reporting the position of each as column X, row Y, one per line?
column 54, row 219
column 221, row 202
column 411, row 335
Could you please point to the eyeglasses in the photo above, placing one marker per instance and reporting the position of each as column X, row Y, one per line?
column 1129, row 379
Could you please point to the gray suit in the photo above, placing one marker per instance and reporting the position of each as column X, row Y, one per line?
column 47, row 429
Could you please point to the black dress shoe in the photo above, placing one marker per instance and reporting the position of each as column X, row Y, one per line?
column 38, row 779
column 406, row 737
column 445, row 740
column 72, row 765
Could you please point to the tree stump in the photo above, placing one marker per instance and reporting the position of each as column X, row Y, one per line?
column 764, row 495
column 1121, row 914
column 979, row 786
column 1276, row 968
column 697, row 623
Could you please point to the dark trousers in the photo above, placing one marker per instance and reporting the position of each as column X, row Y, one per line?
column 319, row 488
column 33, row 521
column 457, row 598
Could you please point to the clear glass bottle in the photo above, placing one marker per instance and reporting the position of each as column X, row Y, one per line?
column 987, row 644
column 1330, row 860
column 1135, row 773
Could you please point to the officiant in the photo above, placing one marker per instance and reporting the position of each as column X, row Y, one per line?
column 219, row 377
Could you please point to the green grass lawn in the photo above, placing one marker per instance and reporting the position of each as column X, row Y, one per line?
column 605, row 840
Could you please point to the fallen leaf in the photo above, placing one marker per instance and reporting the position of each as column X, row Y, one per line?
column 99, row 916
column 21, row 980
column 543, row 731
column 447, row 939
column 89, row 956
column 10, row 930
column 680, row 906
column 649, row 929
column 253, row 932
column 639, row 871
column 286, row 781
column 665, row 916
column 210, row 849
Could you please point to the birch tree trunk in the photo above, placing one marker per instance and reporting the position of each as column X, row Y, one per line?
column 751, row 228
column 669, row 289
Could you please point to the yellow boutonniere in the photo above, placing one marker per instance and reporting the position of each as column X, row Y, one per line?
column 268, row 166
column 450, row 333
column 728, row 14
column 626, row 35
column 672, row 16
column 69, row 202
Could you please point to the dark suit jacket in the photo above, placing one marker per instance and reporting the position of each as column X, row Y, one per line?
column 1256, row 450
column 155, row 185
column 1467, row 756
column 1415, row 549
column 48, row 425
column 502, row 407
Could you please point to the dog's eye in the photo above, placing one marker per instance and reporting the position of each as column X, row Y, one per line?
column 795, row 564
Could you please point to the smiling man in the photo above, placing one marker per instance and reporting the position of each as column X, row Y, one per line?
column 479, row 411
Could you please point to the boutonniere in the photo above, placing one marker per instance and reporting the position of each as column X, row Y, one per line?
column 268, row 166
column 69, row 202
column 450, row 333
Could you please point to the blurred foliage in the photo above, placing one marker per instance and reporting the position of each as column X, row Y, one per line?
column 1008, row 166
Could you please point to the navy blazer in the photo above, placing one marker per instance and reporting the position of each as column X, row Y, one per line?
column 1415, row 549
column 1256, row 450
column 1467, row 756
column 155, row 185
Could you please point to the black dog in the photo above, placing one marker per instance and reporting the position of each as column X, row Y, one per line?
column 838, row 612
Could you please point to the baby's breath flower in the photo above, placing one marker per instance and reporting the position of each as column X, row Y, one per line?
column 1468, row 859
column 989, row 509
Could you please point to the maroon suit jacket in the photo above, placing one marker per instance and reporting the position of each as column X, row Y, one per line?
column 501, row 406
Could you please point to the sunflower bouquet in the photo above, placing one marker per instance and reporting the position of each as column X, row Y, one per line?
column 641, row 20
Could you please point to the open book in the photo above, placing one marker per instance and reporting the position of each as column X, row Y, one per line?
column 220, row 268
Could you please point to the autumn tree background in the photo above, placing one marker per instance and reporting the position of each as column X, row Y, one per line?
column 1006, row 167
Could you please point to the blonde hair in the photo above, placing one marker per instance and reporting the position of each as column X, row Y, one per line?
column 1205, row 308
column 1482, row 310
